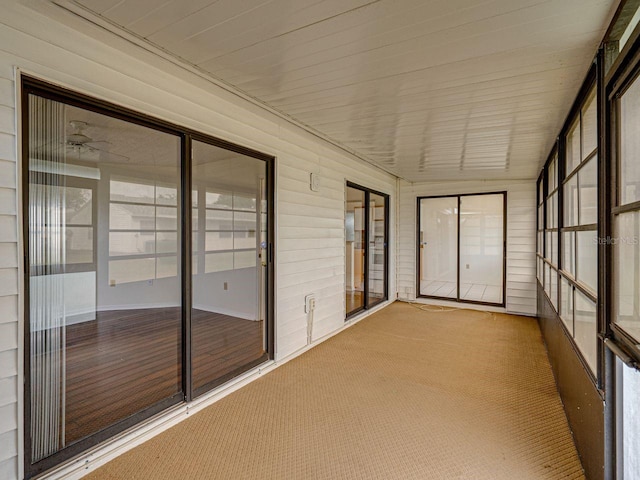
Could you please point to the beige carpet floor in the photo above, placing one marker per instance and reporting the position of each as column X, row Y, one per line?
column 404, row 394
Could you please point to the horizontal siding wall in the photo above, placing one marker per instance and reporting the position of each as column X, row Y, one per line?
column 8, row 278
column 521, row 220
column 310, row 245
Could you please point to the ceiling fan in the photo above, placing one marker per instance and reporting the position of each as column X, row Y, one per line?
column 80, row 143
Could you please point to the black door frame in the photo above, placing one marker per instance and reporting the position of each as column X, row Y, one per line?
column 34, row 86
column 504, row 249
column 366, row 242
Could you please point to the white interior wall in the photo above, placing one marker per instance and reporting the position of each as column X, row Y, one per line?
column 521, row 217
column 310, row 251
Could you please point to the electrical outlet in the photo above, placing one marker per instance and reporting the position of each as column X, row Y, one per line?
column 467, row 266
column 226, row 286
column 309, row 303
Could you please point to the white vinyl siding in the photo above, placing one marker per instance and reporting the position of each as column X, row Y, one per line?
column 8, row 280
column 521, row 217
column 309, row 225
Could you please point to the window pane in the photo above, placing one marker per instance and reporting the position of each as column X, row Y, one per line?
column 571, row 202
column 589, row 126
column 376, row 247
column 166, row 218
column 629, row 175
column 242, row 240
column 218, row 262
column 547, row 279
column 566, row 304
column 548, row 245
column 573, row 156
column 540, row 192
column 244, row 259
column 628, row 416
column 79, row 245
column 218, row 241
column 587, row 260
column 554, row 248
column 540, row 242
column 552, row 177
column 78, row 206
column 541, row 217
column 123, row 216
column 219, row 199
column 131, row 270
column 588, row 180
column 586, row 329
column 244, row 201
column 132, row 243
column 166, row 242
column 244, row 221
column 569, row 253
column 166, row 195
column 166, row 267
column 554, row 288
column 626, row 267
column 134, row 192
column 354, row 224
column 552, row 211
column 220, row 220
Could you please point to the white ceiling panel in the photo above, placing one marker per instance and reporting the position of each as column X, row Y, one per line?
column 428, row 89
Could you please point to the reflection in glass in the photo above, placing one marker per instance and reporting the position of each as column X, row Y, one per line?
column 568, row 253
column 589, row 126
column 626, row 267
column 573, row 154
column 439, row 247
column 100, row 287
column 554, row 288
column 588, row 181
column 628, row 421
column 587, row 258
column 228, row 278
column 629, row 175
column 376, row 250
column 585, row 328
column 481, row 247
column 571, row 202
column 355, row 249
column 566, row 304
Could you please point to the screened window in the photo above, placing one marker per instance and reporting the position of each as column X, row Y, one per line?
column 626, row 220
column 578, row 234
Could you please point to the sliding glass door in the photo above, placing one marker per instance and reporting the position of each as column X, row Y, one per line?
column 461, row 248
column 228, row 272
column 438, row 247
column 147, row 275
column 366, row 232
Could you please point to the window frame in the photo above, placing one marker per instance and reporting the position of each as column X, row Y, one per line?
column 367, row 214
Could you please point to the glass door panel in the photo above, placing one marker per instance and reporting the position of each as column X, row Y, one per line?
column 377, row 249
column 481, row 248
column 103, row 277
column 438, row 247
column 628, row 421
column 229, row 264
column 355, row 249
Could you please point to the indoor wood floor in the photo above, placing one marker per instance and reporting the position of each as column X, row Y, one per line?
column 127, row 360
